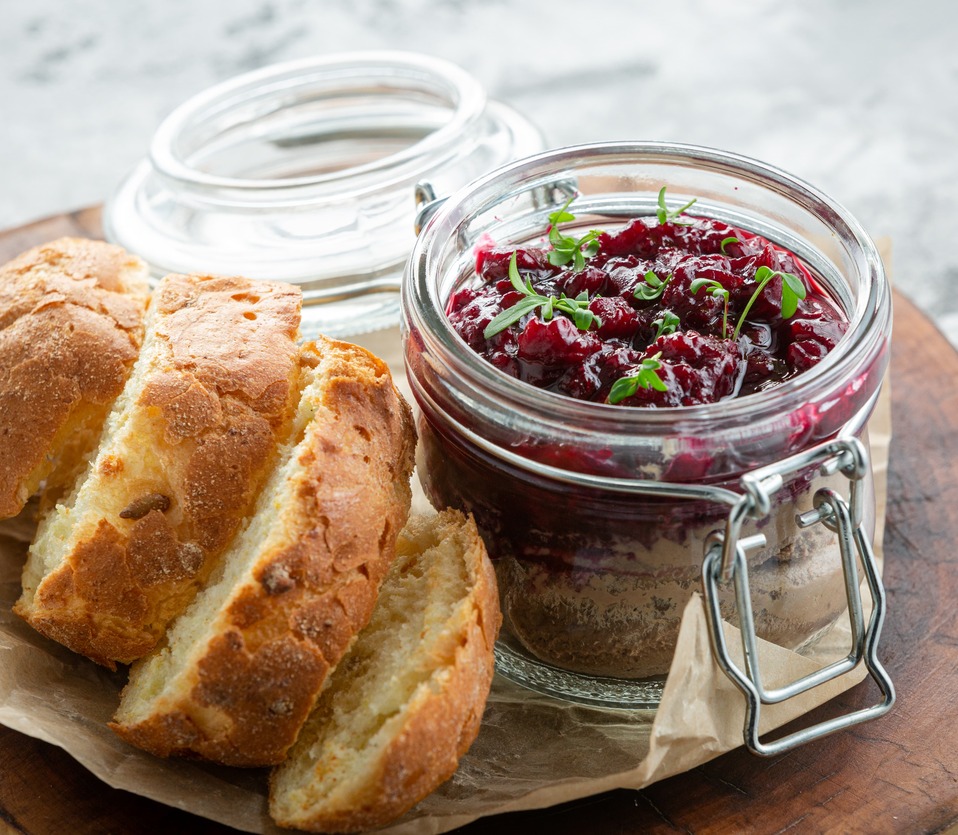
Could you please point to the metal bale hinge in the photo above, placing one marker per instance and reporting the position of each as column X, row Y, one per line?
column 725, row 559
column 427, row 204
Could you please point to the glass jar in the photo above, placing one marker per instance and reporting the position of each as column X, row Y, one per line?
column 598, row 517
column 304, row 172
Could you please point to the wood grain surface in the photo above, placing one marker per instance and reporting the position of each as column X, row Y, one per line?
column 897, row 774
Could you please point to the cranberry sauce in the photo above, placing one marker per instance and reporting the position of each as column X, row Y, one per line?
column 650, row 297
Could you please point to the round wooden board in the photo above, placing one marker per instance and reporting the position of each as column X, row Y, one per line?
column 898, row 774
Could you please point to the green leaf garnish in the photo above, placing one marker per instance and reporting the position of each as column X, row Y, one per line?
column 663, row 213
column 561, row 216
column 566, row 248
column 583, row 318
column 731, row 239
column 651, row 287
column 646, row 377
column 577, row 308
column 716, row 290
column 793, row 289
column 516, row 280
column 508, row 317
column 667, row 323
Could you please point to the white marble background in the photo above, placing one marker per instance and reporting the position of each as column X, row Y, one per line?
column 858, row 97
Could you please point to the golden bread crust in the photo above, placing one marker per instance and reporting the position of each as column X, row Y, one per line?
column 438, row 724
column 215, row 401
column 297, row 609
column 71, row 323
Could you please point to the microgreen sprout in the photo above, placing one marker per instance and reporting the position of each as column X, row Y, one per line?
column 646, row 377
column 731, row 239
column 566, row 248
column 651, row 287
column 577, row 308
column 792, row 290
column 717, row 291
column 667, row 323
column 663, row 213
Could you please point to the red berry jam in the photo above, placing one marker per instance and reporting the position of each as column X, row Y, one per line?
column 695, row 301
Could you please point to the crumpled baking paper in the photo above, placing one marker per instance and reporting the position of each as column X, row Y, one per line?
column 532, row 751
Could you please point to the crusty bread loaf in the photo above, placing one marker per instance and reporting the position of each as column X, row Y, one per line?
column 180, row 462
column 406, row 702
column 71, row 323
column 240, row 670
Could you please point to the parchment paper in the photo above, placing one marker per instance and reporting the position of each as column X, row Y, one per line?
column 531, row 752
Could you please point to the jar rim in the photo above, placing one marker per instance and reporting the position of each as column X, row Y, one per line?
column 871, row 314
column 465, row 96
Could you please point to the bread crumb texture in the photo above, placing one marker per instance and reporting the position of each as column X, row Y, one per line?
column 183, row 455
column 407, row 700
column 71, row 324
column 239, row 673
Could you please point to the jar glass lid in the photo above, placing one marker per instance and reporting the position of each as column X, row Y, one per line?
column 305, row 172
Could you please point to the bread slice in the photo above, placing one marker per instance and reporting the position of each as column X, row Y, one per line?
column 71, row 324
column 406, row 702
column 240, row 671
column 182, row 457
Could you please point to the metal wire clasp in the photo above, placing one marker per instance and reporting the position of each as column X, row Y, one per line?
column 726, row 559
column 427, row 203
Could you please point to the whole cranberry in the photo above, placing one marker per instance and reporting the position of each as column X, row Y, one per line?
column 556, row 342
column 697, row 311
column 619, row 319
column 591, row 280
column 624, row 274
column 635, row 238
column 493, row 264
column 600, row 370
column 814, row 320
column 695, row 368
column 805, row 353
column 472, row 318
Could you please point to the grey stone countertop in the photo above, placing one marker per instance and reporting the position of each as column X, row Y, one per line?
column 859, row 98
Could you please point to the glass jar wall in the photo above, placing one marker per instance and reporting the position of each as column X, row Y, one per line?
column 304, row 172
column 595, row 566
